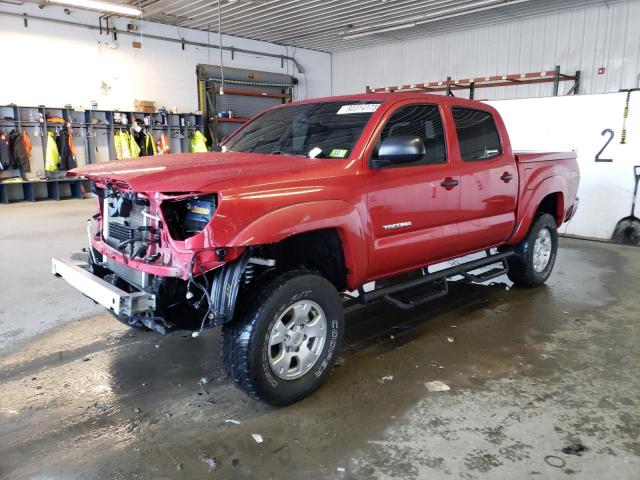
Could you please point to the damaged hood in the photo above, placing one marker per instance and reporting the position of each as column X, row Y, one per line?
column 205, row 172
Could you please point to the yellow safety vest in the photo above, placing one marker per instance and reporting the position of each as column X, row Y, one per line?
column 52, row 156
column 198, row 142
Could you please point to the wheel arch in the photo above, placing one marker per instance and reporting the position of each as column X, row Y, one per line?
column 549, row 196
column 336, row 222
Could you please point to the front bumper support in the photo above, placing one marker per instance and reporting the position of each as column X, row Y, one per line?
column 121, row 303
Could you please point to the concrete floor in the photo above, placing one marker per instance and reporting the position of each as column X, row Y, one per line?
column 530, row 372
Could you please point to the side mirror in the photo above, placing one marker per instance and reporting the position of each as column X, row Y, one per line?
column 399, row 149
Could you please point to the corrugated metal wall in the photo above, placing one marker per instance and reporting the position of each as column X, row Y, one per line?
column 607, row 35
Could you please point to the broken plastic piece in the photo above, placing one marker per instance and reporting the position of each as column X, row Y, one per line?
column 257, row 437
column 230, row 420
column 575, row 449
column 437, row 386
column 204, row 458
column 386, row 378
column 341, row 469
column 157, row 324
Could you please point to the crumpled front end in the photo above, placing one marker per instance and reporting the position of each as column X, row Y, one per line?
column 162, row 245
column 141, row 235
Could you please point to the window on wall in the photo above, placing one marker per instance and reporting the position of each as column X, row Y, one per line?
column 422, row 121
column 477, row 134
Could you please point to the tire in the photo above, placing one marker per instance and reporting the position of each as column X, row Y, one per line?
column 262, row 360
column 536, row 254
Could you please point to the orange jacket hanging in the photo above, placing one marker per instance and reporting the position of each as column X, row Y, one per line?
column 163, row 144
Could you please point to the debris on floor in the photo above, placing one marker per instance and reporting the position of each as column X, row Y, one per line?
column 203, row 381
column 230, row 420
column 450, row 339
column 437, row 386
column 257, row 437
column 575, row 449
column 204, row 458
column 386, row 378
column 341, row 469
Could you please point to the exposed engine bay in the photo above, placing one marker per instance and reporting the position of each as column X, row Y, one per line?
column 129, row 230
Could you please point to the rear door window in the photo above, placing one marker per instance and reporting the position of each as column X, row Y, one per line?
column 477, row 134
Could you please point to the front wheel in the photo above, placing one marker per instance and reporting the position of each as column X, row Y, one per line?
column 536, row 254
column 285, row 344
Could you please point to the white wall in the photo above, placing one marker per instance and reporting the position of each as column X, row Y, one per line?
column 577, row 123
column 55, row 64
column 583, row 39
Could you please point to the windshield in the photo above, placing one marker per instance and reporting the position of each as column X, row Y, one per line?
column 316, row 130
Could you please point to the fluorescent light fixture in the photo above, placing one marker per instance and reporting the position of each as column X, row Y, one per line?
column 479, row 6
column 125, row 10
column 350, row 36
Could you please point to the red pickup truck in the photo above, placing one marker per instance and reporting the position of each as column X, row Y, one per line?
column 305, row 206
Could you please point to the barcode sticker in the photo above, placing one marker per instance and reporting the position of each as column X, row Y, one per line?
column 358, row 108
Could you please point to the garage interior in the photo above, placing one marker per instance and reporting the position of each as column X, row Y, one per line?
column 490, row 381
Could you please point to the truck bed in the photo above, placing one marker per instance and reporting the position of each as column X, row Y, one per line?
column 529, row 156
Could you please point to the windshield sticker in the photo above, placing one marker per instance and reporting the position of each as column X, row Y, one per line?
column 338, row 153
column 358, row 108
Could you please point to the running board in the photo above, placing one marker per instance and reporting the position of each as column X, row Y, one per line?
column 438, row 282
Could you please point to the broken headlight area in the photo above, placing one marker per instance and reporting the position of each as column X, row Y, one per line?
column 127, row 223
column 188, row 216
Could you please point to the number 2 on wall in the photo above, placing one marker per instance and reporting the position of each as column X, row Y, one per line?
column 606, row 131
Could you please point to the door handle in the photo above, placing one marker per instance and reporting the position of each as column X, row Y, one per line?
column 449, row 183
column 506, row 177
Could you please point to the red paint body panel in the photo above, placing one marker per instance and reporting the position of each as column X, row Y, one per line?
column 266, row 198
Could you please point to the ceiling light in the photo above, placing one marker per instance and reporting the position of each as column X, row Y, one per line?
column 479, row 6
column 125, row 10
column 350, row 36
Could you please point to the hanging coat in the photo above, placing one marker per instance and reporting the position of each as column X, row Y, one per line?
column 66, row 151
column 122, row 145
column 18, row 151
column 6, row 159
column 134, row 148
column 52, row 156
column 163, row 144
column 27, row 142
column 198, row 142
column 150, row 144
column 145, row 142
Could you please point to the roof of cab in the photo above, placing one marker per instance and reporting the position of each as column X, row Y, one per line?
column 396, row 96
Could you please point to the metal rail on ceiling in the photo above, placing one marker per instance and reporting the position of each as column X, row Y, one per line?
column 449, row 85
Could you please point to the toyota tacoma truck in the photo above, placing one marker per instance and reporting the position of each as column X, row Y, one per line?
column 309, row 204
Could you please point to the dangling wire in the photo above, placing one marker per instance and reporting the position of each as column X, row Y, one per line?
column 220, row 46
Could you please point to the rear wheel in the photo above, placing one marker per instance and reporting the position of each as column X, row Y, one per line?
column 285, row 344
column 536, row 254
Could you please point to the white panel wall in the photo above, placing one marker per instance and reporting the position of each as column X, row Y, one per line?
column 579, row 123
column 56, row 64
column 584, row 39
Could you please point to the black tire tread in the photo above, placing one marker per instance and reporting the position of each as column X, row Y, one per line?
column 238, row 335
column 521, row 271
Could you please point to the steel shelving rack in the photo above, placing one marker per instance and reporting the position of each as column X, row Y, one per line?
column 471, row 84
